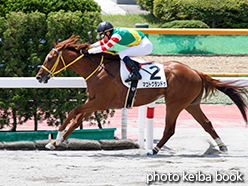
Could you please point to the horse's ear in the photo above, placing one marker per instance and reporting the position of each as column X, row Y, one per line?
column 54, row 44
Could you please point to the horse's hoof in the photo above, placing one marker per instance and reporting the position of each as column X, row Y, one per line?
column 145, row 154
column 50, row 146
column 59, row 138
column 223, row 148
column 148, row 154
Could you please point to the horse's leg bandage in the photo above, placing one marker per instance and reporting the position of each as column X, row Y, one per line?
column 154, row 151
column 221, row 145
column 59, row 138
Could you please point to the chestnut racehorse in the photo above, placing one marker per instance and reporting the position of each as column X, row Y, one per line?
column 185, row 88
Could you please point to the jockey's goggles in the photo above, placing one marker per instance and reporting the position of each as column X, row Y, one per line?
column 100, row 35
column 103, row 33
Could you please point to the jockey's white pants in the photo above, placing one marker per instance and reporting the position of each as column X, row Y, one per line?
column 144, row 48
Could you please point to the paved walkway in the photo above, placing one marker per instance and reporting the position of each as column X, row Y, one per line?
column 222, row 116
column 109, row 7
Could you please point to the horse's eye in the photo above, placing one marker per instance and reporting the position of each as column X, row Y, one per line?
column 49, row 60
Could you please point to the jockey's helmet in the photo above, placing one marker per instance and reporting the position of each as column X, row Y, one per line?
column 104, row 27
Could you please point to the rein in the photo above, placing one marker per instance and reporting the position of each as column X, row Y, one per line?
column 95, row 69
column 100, row 65
column 53, row 72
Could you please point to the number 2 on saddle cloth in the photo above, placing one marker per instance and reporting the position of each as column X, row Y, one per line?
column 151, row 78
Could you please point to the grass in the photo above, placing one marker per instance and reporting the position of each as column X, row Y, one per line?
column 129, row 20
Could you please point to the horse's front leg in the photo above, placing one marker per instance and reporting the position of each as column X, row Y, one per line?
column 81, row 112
column 61, row 136
column 61, row 131
column 80, row 118
column 68, row 119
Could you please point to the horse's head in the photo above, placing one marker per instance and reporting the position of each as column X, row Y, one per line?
column 55, row 61
column 50, row 66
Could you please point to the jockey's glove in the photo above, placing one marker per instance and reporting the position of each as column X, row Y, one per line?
column 84, row 51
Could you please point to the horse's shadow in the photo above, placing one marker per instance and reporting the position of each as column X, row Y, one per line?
column 166, row 152
column 163, row 155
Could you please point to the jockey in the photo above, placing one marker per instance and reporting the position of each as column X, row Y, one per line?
column 138, row 43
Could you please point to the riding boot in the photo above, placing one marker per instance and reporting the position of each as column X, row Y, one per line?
column 134, row 75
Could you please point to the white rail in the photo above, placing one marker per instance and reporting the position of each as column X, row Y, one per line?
column 241, row 80
column 31, row 82
column 72, row 82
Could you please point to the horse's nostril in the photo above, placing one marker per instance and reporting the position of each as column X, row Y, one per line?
column 38, row 77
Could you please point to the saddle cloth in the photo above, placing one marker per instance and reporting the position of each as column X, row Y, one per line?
column 152, row 75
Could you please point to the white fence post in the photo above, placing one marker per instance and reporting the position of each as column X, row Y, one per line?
column 141, row 126
column 150, row 125
column 124, row 124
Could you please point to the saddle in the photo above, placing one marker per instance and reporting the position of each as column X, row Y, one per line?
column 150, row 79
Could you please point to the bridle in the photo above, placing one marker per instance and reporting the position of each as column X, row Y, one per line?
column 52, row 71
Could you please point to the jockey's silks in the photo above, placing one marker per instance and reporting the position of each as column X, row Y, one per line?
column 129, row 37
column 122, row 36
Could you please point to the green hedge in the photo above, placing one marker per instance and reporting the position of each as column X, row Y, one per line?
column 27, row 30
column 145, row 4
column 25, row 41
column 47, row 6
column 185, row 24
column 215, row 13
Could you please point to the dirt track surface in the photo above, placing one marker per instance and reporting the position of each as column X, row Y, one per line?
column 207, row 63
column 187, row 152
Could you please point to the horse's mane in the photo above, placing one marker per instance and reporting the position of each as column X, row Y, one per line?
column 71, row 44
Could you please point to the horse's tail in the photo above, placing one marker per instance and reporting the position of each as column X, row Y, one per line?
column 230, row 88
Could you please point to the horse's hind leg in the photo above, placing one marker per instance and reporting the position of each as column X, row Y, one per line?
column 170, row 120
column 197, row 113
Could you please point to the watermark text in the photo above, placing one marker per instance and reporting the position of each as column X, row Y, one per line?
column 234, row 176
